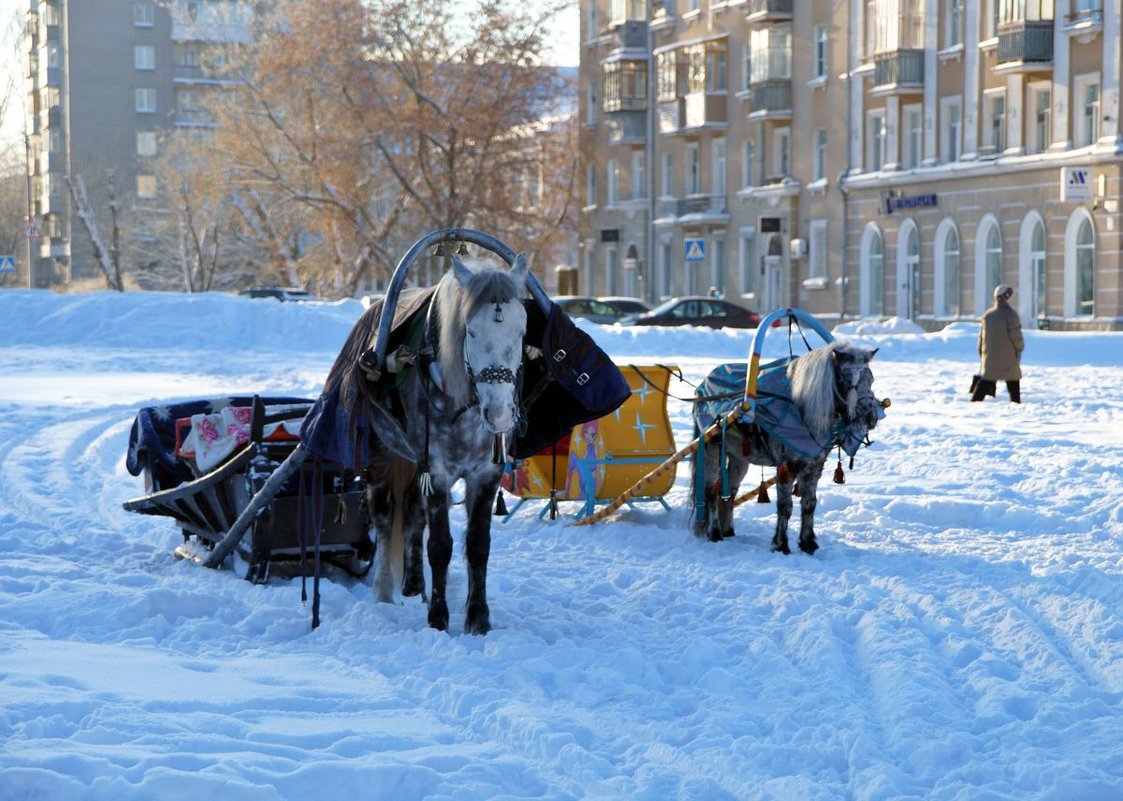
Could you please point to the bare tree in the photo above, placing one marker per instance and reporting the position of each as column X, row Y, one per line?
column 108, row 258
column 359, row 126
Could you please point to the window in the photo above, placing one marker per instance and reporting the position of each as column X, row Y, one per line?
column 144, row 57
column 146, row 100
column 146, row 186
column 995, row 134
column 746, row 68
column 1041, row 123
column 1085, row 268
column 590, row 185
column 665, row 272
column 693, row 176
column 639, row 175
column 52, row 53
column 146, row 143
column 953, row 22
column 820, row 156
column 612, row 172
column 144, row 14
column 1037, row 268
column 591, row 22
column 771, row 48
column 748, row 163
column 1086, row 106
column 876, row 139
column 993, row 258
column 719, row 167
column 822, row 40
column 874, row 290
column 914, row 136
column 590, row 104
column 952, row 284
column 781, row 152
column 717, row 265
column 666, row 181
column 951, row 128
column 817, row 258
column 715, row 71
column 748, row 263
column 625, row 86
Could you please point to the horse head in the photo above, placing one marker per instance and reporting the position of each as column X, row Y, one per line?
column 858, row 406
column 482, row 347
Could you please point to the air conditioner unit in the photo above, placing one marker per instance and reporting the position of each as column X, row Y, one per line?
column 797, row 248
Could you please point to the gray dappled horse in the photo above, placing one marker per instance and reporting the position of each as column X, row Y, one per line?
column 460, row 401
column 831, row 388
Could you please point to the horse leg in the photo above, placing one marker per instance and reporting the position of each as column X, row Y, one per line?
column 382, row 508
column 413, row 578
column 711, row 477
column 808, row 500
column 736, row 466
column 477, row 547
column 440, row 554
column 783, row 513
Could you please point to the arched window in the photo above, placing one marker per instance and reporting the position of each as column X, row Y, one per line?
column 1085, row 267
column 988, row 262
column 1080, row 265
column 993, row 258
column 873, row 273
column 908, row 270
column 950, row 264
column 1037, row 269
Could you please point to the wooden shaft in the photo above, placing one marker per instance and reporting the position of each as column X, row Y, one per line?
column 748, row 496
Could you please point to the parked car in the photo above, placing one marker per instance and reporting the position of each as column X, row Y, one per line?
column 282, row 293
column 592, row 309
column 698, row 310
column 626, row 305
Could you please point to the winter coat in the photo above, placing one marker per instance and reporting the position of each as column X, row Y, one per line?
column 1001, row 344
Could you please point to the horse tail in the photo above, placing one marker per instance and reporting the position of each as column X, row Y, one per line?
column 812, row 380
column 401, row 475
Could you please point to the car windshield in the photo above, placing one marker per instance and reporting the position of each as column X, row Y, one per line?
column 665, row 306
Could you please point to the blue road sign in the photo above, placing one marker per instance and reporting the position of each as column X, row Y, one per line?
column 695, row 249
column 7, row 264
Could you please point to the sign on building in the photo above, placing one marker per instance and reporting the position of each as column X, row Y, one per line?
column 7, row 264
column 695, row 249
column 1076, row 183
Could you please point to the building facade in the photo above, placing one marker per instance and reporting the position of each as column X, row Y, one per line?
column 106, row 83
column 856, row 158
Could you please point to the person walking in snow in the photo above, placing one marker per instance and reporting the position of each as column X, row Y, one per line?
column 1000, row 348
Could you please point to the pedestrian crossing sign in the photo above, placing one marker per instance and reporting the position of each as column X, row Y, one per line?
column 7, row 264
column 695, row 249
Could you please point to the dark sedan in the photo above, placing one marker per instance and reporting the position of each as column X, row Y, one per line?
column 698, row 310
column 591, row 309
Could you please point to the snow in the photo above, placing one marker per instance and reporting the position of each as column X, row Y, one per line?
column 958, row 636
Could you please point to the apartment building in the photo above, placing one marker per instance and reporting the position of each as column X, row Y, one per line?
column 856, row 158
column 107, row 81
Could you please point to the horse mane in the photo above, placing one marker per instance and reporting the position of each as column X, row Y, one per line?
column 453, row 304
column 813, row 391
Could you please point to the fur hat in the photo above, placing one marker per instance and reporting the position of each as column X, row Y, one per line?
column 1003, row 292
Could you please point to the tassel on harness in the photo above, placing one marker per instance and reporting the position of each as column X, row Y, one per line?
column 839, row 476
column 762, row 491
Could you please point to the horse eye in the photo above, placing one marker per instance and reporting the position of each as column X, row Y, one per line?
column 471, row 333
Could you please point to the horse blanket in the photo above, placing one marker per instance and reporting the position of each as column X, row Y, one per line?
column 571, row 381
column 775, row 411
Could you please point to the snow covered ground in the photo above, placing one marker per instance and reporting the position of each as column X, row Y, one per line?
column 958, row 636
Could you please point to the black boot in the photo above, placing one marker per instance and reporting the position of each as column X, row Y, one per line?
column 983, row 387
column 1015, row 390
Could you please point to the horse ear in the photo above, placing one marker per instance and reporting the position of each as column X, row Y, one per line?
column 519, row 268
column 461, row 270
column 874, row 352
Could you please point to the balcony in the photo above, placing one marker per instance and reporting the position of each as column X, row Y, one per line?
column 628, row 35
column 704, row 110
column 694, row 206
column 1085, row 22
column 898, row 72
column 1025, row 46
column 770, row 99
column 625, row 127
column 194, row 116
column 768, row 10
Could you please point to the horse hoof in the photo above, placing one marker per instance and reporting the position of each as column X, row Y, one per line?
column 784, row 549
column 438, row 616
column 412, row 588
column 808, row 547
column 725, row 535
column 714, row 536
column 478, row 620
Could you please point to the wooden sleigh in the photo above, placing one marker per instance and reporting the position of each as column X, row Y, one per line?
column 207, row 503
